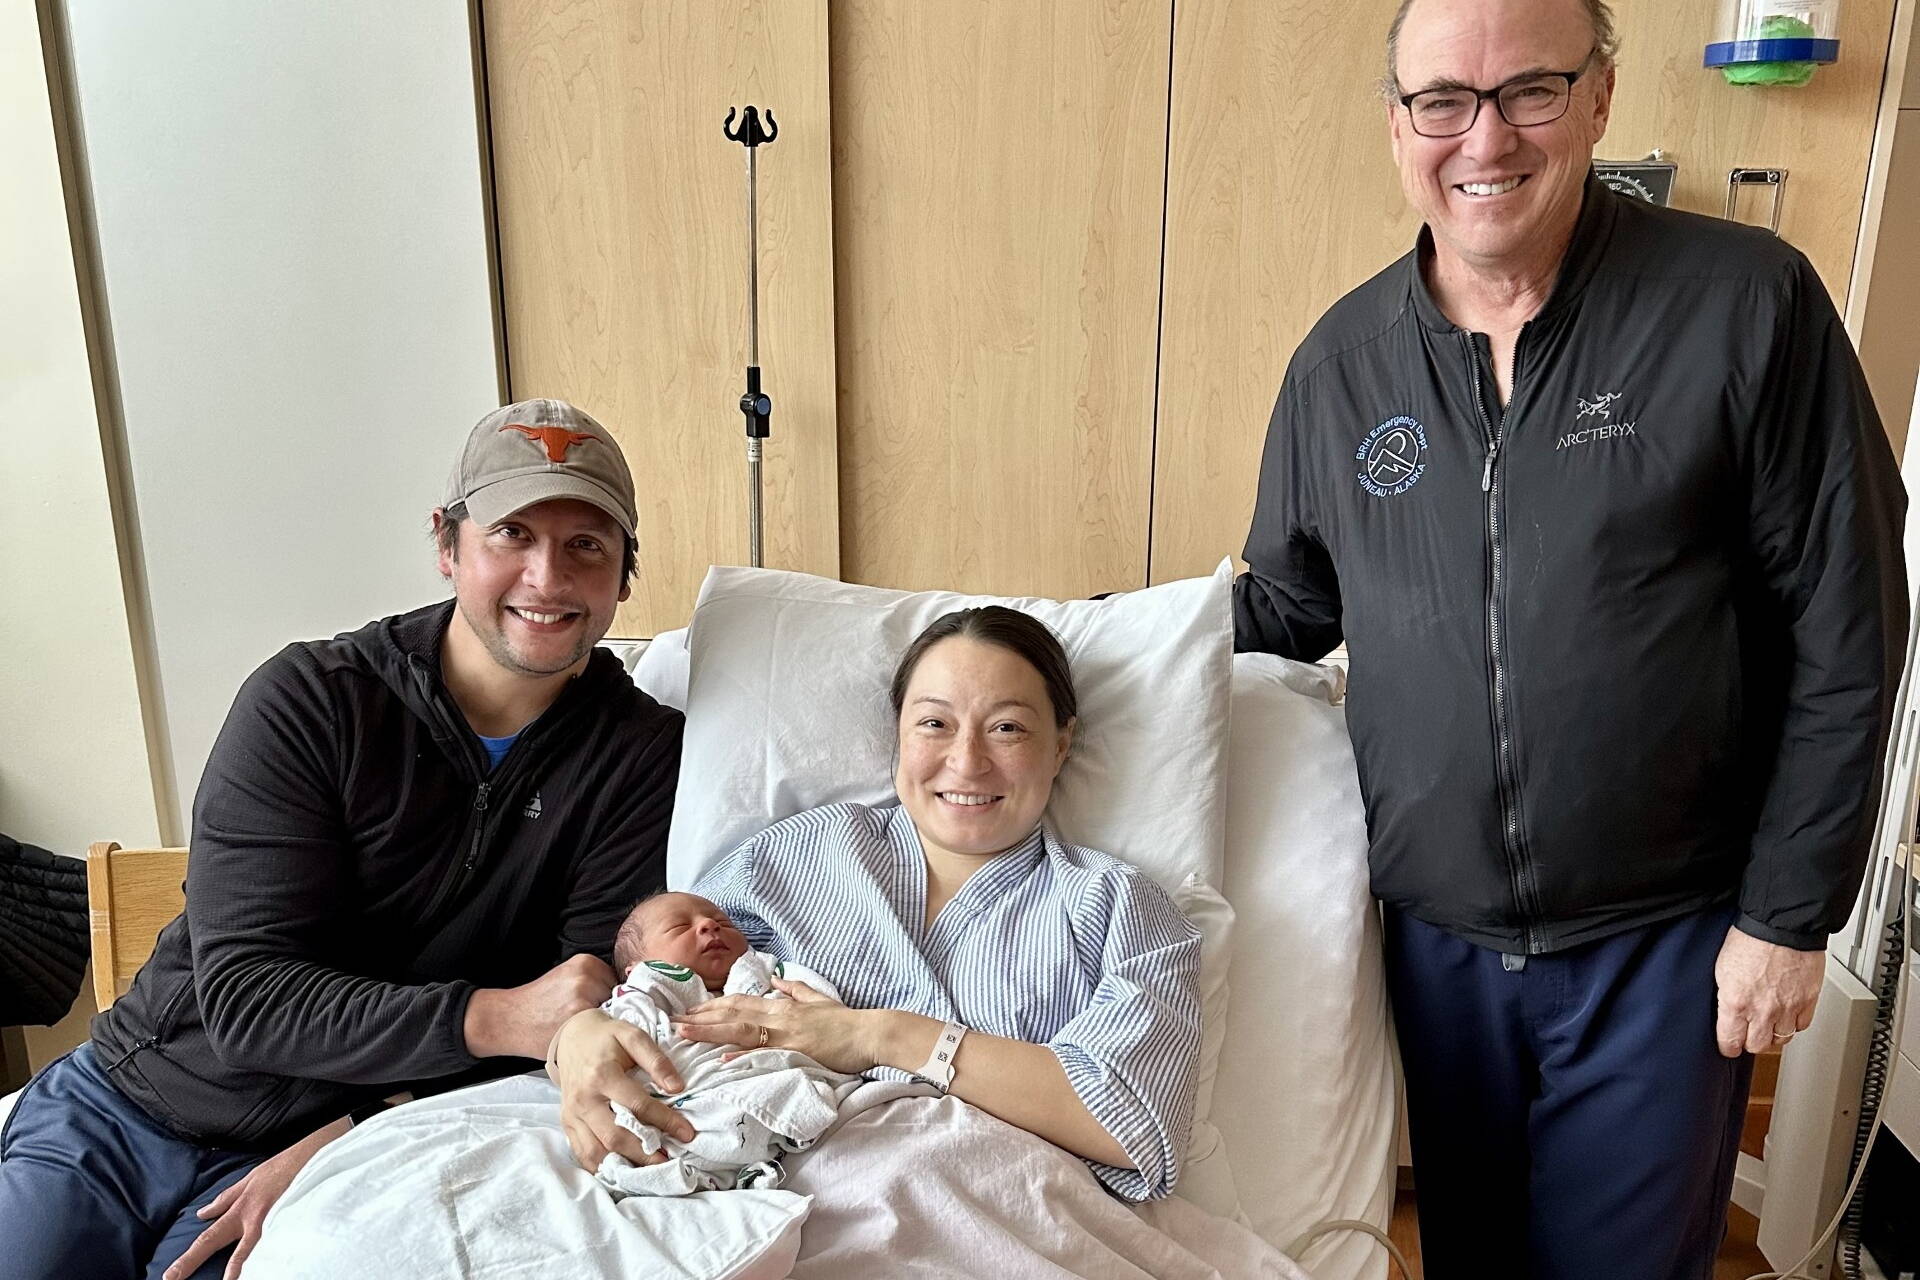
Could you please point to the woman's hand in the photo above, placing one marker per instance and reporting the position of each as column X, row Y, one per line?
column 590, row 1060
column 836, row 1037
column 237, row 1212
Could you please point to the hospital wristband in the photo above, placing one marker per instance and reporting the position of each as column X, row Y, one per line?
column 938, row 1070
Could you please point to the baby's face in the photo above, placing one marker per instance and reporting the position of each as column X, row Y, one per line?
column 687, row 930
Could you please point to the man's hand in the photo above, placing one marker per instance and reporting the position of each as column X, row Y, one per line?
column 520, row 1022
column 1767, row 992
column 237, row 1212
column 592, row 1059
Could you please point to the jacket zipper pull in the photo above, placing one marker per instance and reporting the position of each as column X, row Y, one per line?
column 1486, row 477
column 473, row 849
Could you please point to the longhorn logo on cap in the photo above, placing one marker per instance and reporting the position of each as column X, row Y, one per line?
column 556, row 440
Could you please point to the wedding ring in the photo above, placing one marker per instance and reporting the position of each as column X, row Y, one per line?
column 763, row 1037
column 1781, row 1039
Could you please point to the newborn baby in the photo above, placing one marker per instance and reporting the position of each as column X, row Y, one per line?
column 677, row 951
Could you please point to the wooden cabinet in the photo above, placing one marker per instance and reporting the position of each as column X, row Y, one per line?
column 1032, row 271
column 999, row 171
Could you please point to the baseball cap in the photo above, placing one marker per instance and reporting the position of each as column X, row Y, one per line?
column 536, row 451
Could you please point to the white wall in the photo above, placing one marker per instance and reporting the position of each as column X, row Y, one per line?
column 73, row 758
column 290, row 219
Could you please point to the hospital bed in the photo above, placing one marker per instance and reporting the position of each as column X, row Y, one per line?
column 1230, row 779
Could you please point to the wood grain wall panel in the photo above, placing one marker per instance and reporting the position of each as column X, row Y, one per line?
column 999, row 172
column 1282, row 195
column 1821, row 133
column 624, row 262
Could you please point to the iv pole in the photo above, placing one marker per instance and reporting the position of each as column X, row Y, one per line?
column 756, row 405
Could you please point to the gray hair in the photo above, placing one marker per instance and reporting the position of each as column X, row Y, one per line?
column 1606, row 43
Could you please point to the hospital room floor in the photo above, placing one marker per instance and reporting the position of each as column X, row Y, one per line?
column 1739, row 1256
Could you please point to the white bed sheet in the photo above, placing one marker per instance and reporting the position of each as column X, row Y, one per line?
column 480, row 1183
column 935, row 1187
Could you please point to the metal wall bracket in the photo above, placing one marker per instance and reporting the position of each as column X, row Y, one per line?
column 1775, row 178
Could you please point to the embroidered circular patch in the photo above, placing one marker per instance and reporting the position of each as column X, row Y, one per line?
column 1393, row 457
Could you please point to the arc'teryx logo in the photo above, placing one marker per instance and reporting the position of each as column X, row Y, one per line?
column 1602, row 405
column 556, row 440
column 533, row 809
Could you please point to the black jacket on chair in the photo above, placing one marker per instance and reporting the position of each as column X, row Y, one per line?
column 43, row 933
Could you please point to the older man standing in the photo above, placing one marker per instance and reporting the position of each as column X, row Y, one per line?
column 1597, row 498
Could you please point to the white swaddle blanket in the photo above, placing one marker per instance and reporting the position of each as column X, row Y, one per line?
column 746, row 1113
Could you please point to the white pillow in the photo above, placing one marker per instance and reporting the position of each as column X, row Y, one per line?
column 1306, row 1095
column 660, row 669
column 1213, row 916
column 787, row 710
column 1206, row 1176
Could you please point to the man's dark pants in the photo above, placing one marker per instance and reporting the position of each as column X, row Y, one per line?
column 1571, row 1115
column 90, row 1185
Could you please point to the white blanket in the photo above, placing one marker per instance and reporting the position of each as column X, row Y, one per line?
column 480, row 1183
column 935, row 1187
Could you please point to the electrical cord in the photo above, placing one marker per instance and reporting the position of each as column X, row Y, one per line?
column 1353, row 1224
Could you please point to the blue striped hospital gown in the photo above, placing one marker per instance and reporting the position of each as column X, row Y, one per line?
column 1047, row 943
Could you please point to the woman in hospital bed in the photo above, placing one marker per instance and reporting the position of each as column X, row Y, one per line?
column 1051, row 986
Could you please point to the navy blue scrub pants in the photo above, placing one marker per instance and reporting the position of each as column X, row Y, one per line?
column 91, row 1186
column 1571, row 1115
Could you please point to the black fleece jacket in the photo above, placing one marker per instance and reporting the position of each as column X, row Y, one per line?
column 356, row 871
column 1629, row 648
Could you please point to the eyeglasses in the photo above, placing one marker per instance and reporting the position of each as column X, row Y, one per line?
column 1537, row 98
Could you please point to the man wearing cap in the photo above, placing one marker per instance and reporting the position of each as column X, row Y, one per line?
column 411, row 847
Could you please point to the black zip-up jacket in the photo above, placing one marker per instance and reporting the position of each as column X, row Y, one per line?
column 1628, row 649
column 356, row 871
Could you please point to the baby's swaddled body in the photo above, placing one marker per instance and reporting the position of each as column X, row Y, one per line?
column 746, row 1112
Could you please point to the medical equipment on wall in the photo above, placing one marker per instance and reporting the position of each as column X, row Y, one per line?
column 1774, row 42
column 755, row 404
column 1649, row 179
